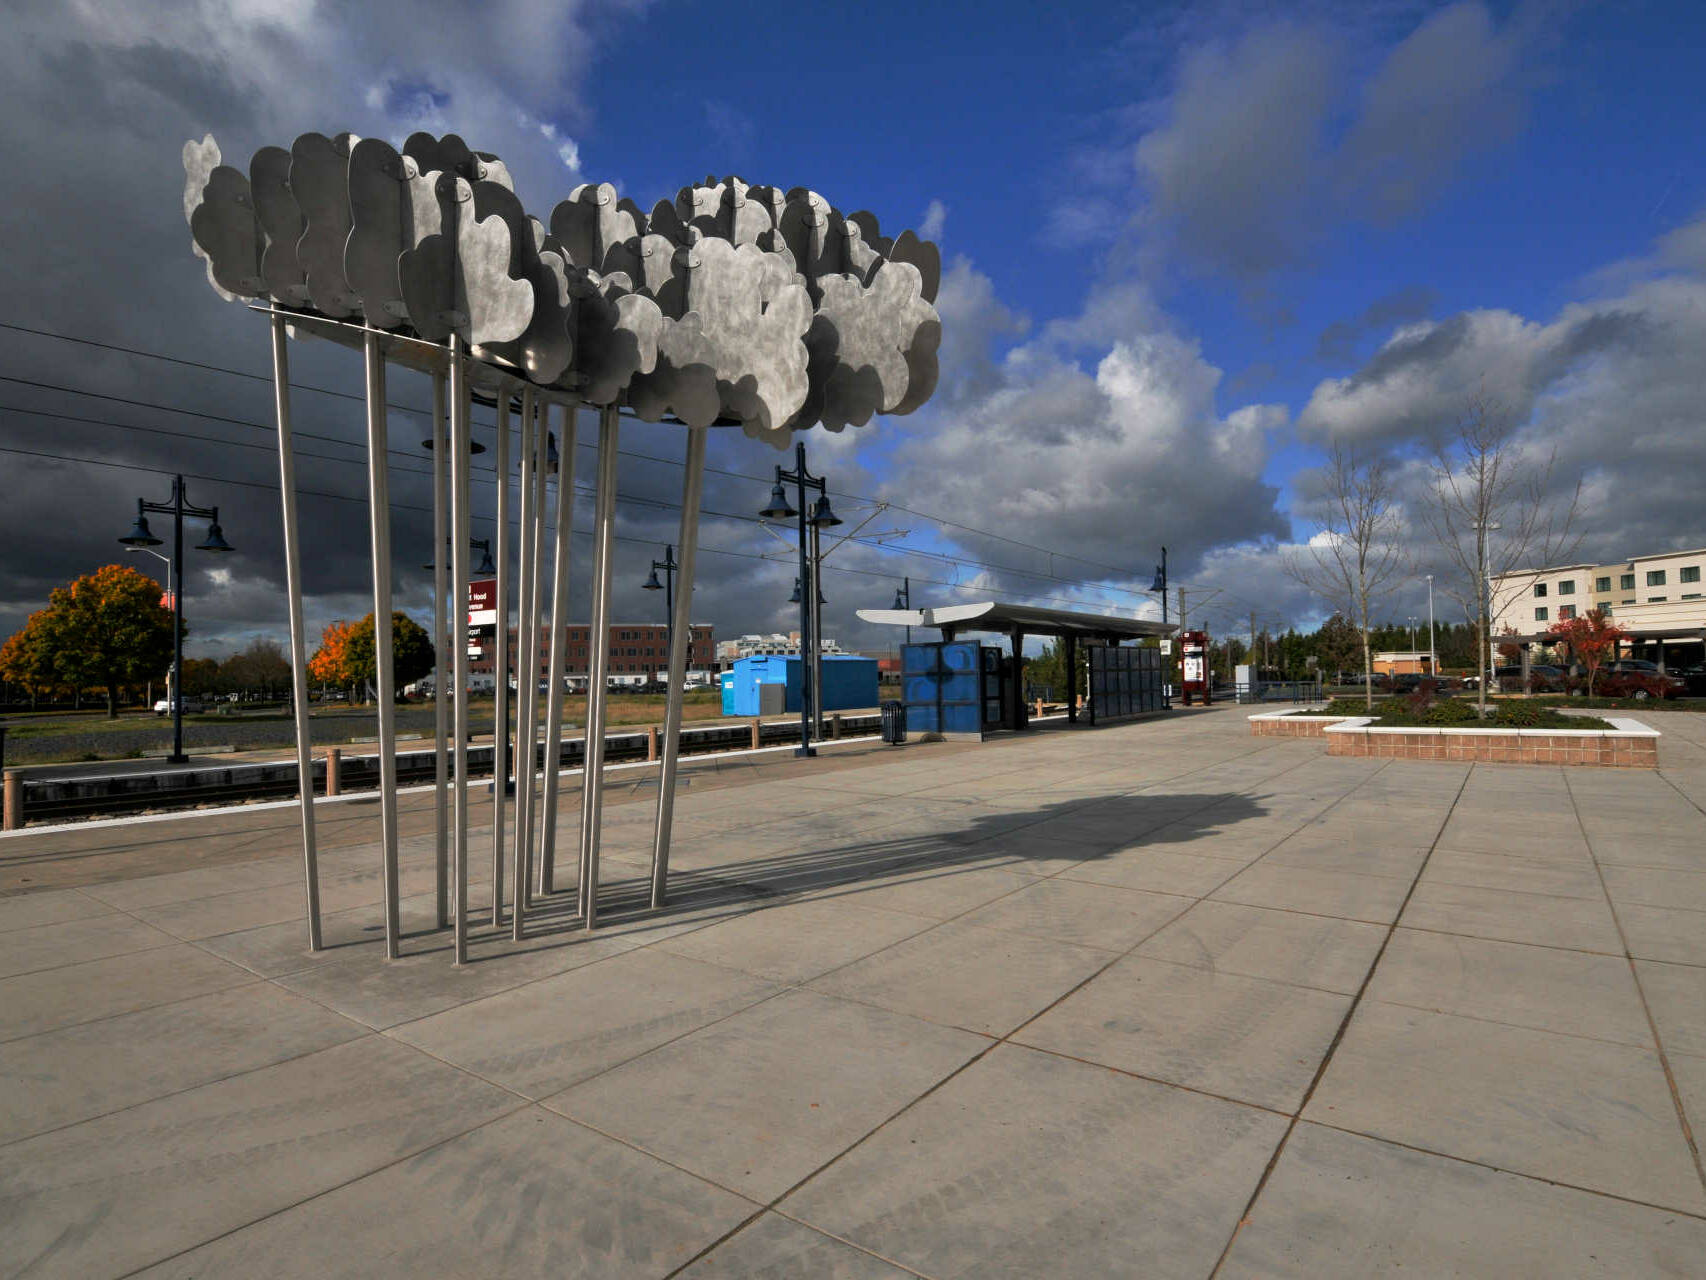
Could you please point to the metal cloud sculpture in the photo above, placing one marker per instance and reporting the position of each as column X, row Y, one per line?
column 731, row 304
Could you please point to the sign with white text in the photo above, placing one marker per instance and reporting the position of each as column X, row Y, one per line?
column 483, row 603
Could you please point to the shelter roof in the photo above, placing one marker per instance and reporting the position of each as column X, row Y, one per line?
column 1003, row 618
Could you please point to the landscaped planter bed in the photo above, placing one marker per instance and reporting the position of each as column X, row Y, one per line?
column 1628, row 744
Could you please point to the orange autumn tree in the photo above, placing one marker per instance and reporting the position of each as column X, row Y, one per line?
column 27, row 657
column 108, row 629
column 1590, row 637
column 346, row 654
column 332, row 662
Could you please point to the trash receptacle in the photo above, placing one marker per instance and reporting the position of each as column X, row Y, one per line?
column 894, row 723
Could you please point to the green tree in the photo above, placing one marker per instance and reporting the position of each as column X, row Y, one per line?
column 1048, row 668
column 411, row 651
column 200, row 677
column 107, row 629
column 261, row 668
column 1338, row 644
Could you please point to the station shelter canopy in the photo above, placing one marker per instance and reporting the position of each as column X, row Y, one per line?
column 1018, row 621
column 1022, row 619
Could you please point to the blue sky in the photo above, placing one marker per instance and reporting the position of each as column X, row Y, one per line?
column 1189, row 245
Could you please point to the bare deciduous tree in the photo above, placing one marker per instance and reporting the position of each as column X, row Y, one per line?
column 1353, row 562
column 1490, row 507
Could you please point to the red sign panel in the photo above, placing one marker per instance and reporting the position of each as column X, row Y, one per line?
column 483, row 603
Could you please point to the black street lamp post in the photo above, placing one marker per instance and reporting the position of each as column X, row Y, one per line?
column 667, row 586
column 903, row 600
column 1159, row 586
column 140, row 536
column 821, row 517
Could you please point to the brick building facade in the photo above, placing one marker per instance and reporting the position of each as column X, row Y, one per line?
column 637, row 651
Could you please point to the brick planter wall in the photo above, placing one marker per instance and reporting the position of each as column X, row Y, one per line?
column 1629, row 744
column 1626, row 749
column 1285, row 726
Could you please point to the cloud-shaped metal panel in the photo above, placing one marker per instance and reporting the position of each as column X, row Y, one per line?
column 732, row 302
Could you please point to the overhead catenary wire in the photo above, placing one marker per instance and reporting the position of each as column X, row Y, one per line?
column 204, row 366
column 357, row 498
column 410, row 456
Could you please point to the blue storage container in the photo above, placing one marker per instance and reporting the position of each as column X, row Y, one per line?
column 849, row 683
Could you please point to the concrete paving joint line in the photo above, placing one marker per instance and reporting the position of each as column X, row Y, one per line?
column 1339, row 1034
column 1641, row 991
column 774, row 1206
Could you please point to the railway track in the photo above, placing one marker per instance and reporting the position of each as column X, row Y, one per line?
column 57, row 800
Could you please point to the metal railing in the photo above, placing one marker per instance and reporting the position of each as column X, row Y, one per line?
column 1279, row 691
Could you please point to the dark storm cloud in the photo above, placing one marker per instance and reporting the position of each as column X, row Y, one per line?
column 99, row 106
column 1338, row 341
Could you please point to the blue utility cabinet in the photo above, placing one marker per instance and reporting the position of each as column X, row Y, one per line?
column 848, row 683
column 945, row 688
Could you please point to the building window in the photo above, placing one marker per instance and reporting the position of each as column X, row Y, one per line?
column 1690, row 574
column 1691, row 595
column 1567, row 587
column 1540, row 591
column 1655, row 577
column 1657, row 599
column 1626, row 583
column 1540, row 613
column 1602, row 584
column 1566, row 611
column 1629, row 601
column 1606, row 610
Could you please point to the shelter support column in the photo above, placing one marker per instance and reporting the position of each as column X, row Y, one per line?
column 1016, row 718
column 1071, row 647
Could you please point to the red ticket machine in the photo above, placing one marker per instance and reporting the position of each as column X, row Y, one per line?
column 1193, row 645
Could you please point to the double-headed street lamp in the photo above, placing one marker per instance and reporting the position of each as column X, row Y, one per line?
column 141, row 536
column 1159, row 585
column 667, row 586
column 810, row 597
column 486, row 568
column 903, row 600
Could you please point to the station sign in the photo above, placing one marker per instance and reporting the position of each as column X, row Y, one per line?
column 483, row 602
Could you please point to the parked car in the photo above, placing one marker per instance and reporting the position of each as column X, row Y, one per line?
column 1542, row 678
column 1695, row 679
column 1638, row 678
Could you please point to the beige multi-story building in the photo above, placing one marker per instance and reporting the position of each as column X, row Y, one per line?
column 1660, row 600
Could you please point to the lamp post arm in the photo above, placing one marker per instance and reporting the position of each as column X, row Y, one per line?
column 849, row 536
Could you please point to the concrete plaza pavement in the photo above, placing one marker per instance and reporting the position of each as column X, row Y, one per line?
column 1160, row 999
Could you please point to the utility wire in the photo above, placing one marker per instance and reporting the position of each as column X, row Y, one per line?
column 944, row 521
column 410, row 456
column 345, row 497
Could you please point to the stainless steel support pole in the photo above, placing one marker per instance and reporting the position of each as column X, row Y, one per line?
column 500, row 666
column 298, row 636
column 598, row 634
column 379, row 522
column 680, row 646
column 536, row 598
column 559, row 653
column 459, row 465
column 441, row 639
column 526, row 666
